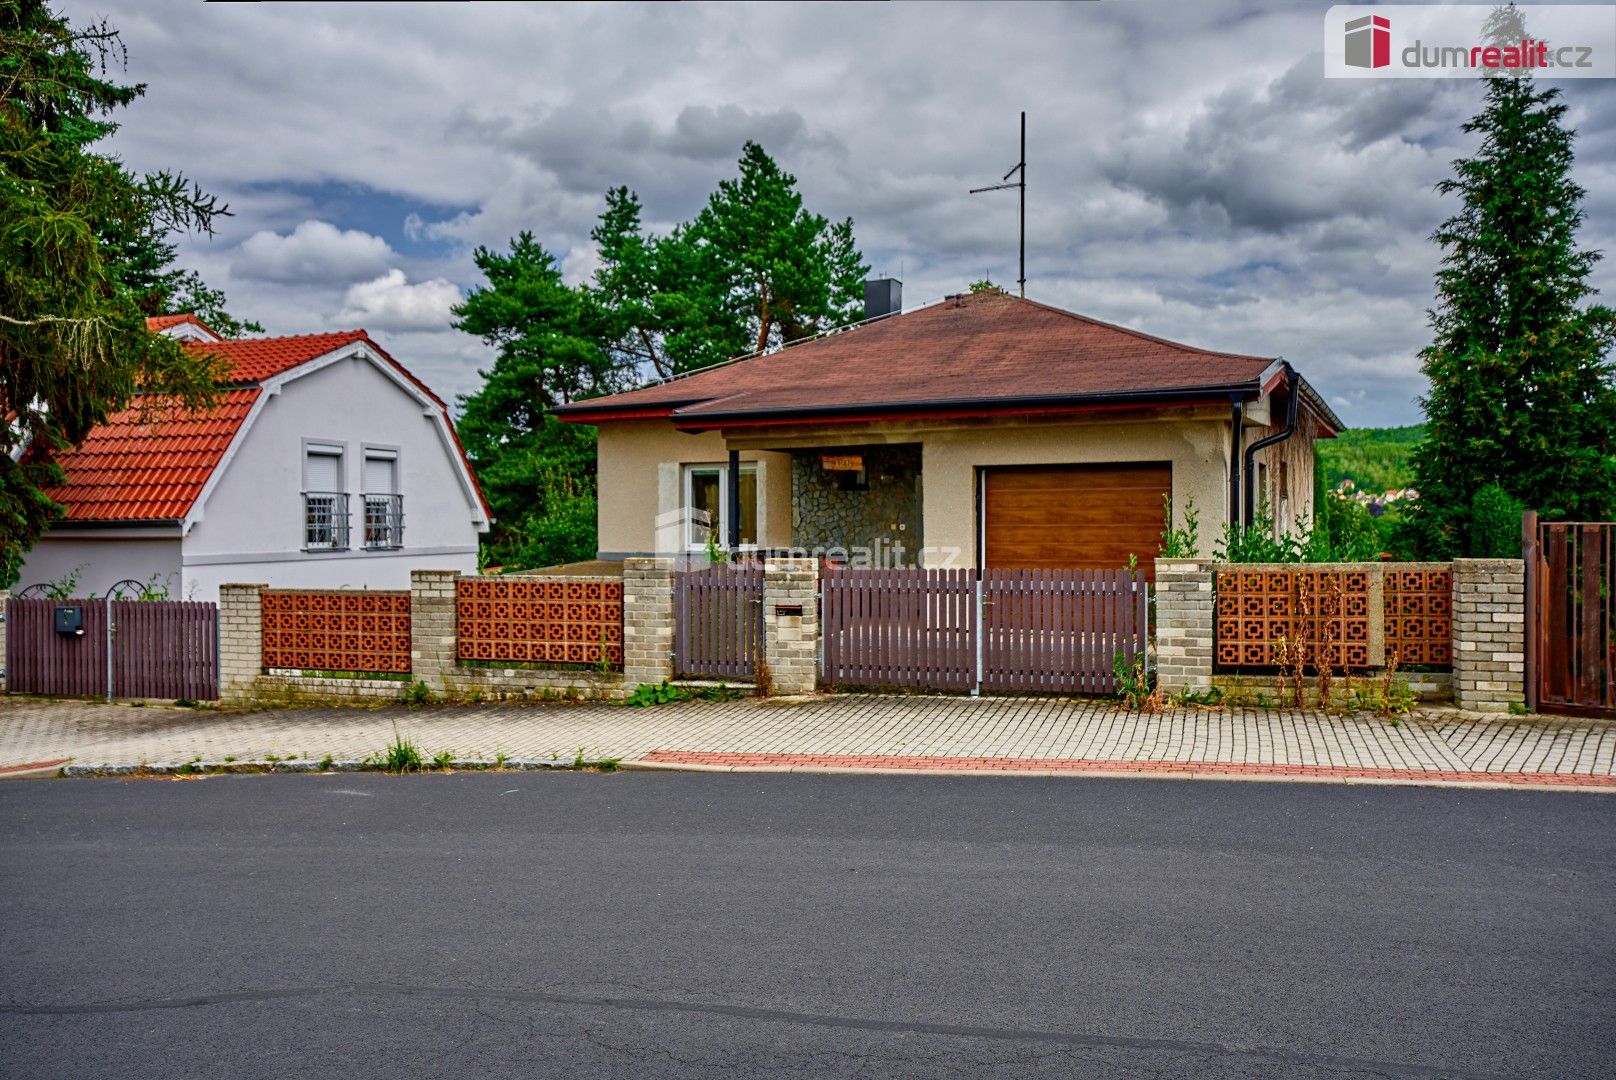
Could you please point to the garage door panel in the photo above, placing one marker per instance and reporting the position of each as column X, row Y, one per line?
column 1114, row 507
column 1075, row 516
column 1048, row 480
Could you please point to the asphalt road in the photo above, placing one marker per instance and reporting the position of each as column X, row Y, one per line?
column 642, row 925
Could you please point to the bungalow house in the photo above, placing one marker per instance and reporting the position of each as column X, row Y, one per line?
column 325, row 464
column 982, row 430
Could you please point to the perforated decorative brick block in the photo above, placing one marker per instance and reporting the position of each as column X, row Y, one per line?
column 1259, row 612
column 362, row 632
column 540, row 621
column 1419, row 617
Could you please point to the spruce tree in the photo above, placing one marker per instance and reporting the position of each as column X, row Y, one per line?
column 1522, row 393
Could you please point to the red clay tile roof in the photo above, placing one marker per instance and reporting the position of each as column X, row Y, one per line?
column 152, row 468
column 984, row 350
column 130, row 469
column 252, row 360
column 159, row 323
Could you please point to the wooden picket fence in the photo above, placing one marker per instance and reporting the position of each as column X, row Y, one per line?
column 718, row 620
column 1032, row 631
column 159, row 649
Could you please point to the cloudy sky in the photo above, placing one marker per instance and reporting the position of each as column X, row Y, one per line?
column 1191, row 173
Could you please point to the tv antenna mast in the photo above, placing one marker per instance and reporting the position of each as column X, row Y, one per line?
column 1020, row 172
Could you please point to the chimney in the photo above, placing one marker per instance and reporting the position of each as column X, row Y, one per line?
column 882, row 297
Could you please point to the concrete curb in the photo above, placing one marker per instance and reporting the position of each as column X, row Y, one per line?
column 1133, row 774
column 78, row 771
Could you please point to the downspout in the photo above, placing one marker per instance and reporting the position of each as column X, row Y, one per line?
column 1238, row 417
column 1278, row 437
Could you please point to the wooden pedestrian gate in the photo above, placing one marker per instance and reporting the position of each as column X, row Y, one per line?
column 718, row 620
column 1571, row 613
column 148, row 649
column 1015, row 631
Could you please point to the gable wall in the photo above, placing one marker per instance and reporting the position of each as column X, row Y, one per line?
column 253, row 520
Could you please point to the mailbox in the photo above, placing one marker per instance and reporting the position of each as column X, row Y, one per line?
column 70, row 620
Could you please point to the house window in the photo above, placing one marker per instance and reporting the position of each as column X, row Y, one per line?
column 707, row 516
column 325, row 503
column 384, row 506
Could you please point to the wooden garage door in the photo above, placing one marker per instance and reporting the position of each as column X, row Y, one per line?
column 1075, row 517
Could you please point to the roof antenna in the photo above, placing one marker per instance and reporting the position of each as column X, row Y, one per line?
column 1021, row 183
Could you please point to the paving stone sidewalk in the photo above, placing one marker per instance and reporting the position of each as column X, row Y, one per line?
column 848, row 730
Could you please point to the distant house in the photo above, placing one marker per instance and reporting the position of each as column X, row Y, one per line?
column 325, row 464
column 983, row 430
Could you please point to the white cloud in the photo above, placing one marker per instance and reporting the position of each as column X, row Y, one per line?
column 314, row 252
column 1199, row 178
column 390, row 302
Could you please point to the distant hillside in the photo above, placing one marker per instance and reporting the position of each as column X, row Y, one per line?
column 1374, row 459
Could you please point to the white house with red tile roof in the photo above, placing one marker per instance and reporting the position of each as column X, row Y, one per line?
column 325, row 464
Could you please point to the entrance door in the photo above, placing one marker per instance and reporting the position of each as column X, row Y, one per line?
column 1074, row 517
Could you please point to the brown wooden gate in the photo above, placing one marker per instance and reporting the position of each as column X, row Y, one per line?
column 159, row 649
column 1571, row 604
column 1060, row 631
column 718, row 620
column 1016, row 631
column 900, row 627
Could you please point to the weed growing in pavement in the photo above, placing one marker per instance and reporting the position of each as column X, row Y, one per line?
column 418, row 693
column 608, row 764
column 1133, row 684
column 762, row 674
column 228, row 758
column 1211, row 699
column 662, row 693
column 401, row 756
column 721, row 692
column 190, row 766
column 1518, row 708
column 326, row 763
column 578, row 762
column 442, row 758
column 500, row 759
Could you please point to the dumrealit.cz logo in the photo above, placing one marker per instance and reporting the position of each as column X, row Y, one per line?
column 1427, row 41
column 1369, row 42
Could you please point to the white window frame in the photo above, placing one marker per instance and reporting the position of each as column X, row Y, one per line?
column 341, row 536
column 369, row 452
column 688, row 473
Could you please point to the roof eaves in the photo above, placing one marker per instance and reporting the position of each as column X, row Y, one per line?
column 1243, row 390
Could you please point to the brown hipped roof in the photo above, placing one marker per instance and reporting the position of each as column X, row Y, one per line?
column 983, row 352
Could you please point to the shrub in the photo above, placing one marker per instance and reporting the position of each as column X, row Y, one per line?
column 1184, row 543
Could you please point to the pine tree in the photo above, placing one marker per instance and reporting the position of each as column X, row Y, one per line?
column 784, row 273
column 74, row 347
column 1522, row 392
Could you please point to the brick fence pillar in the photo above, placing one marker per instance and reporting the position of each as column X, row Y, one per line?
column 1489, row 634
column 241, row 639
column 433, row 626
column 647, row 621
column 791, row 624
column 1183, row 624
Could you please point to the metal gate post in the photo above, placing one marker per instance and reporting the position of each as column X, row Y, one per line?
column 109, row 645
column 1533, row 621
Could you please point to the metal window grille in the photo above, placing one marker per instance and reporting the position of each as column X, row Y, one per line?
column 384, row 521
column 325, row 520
